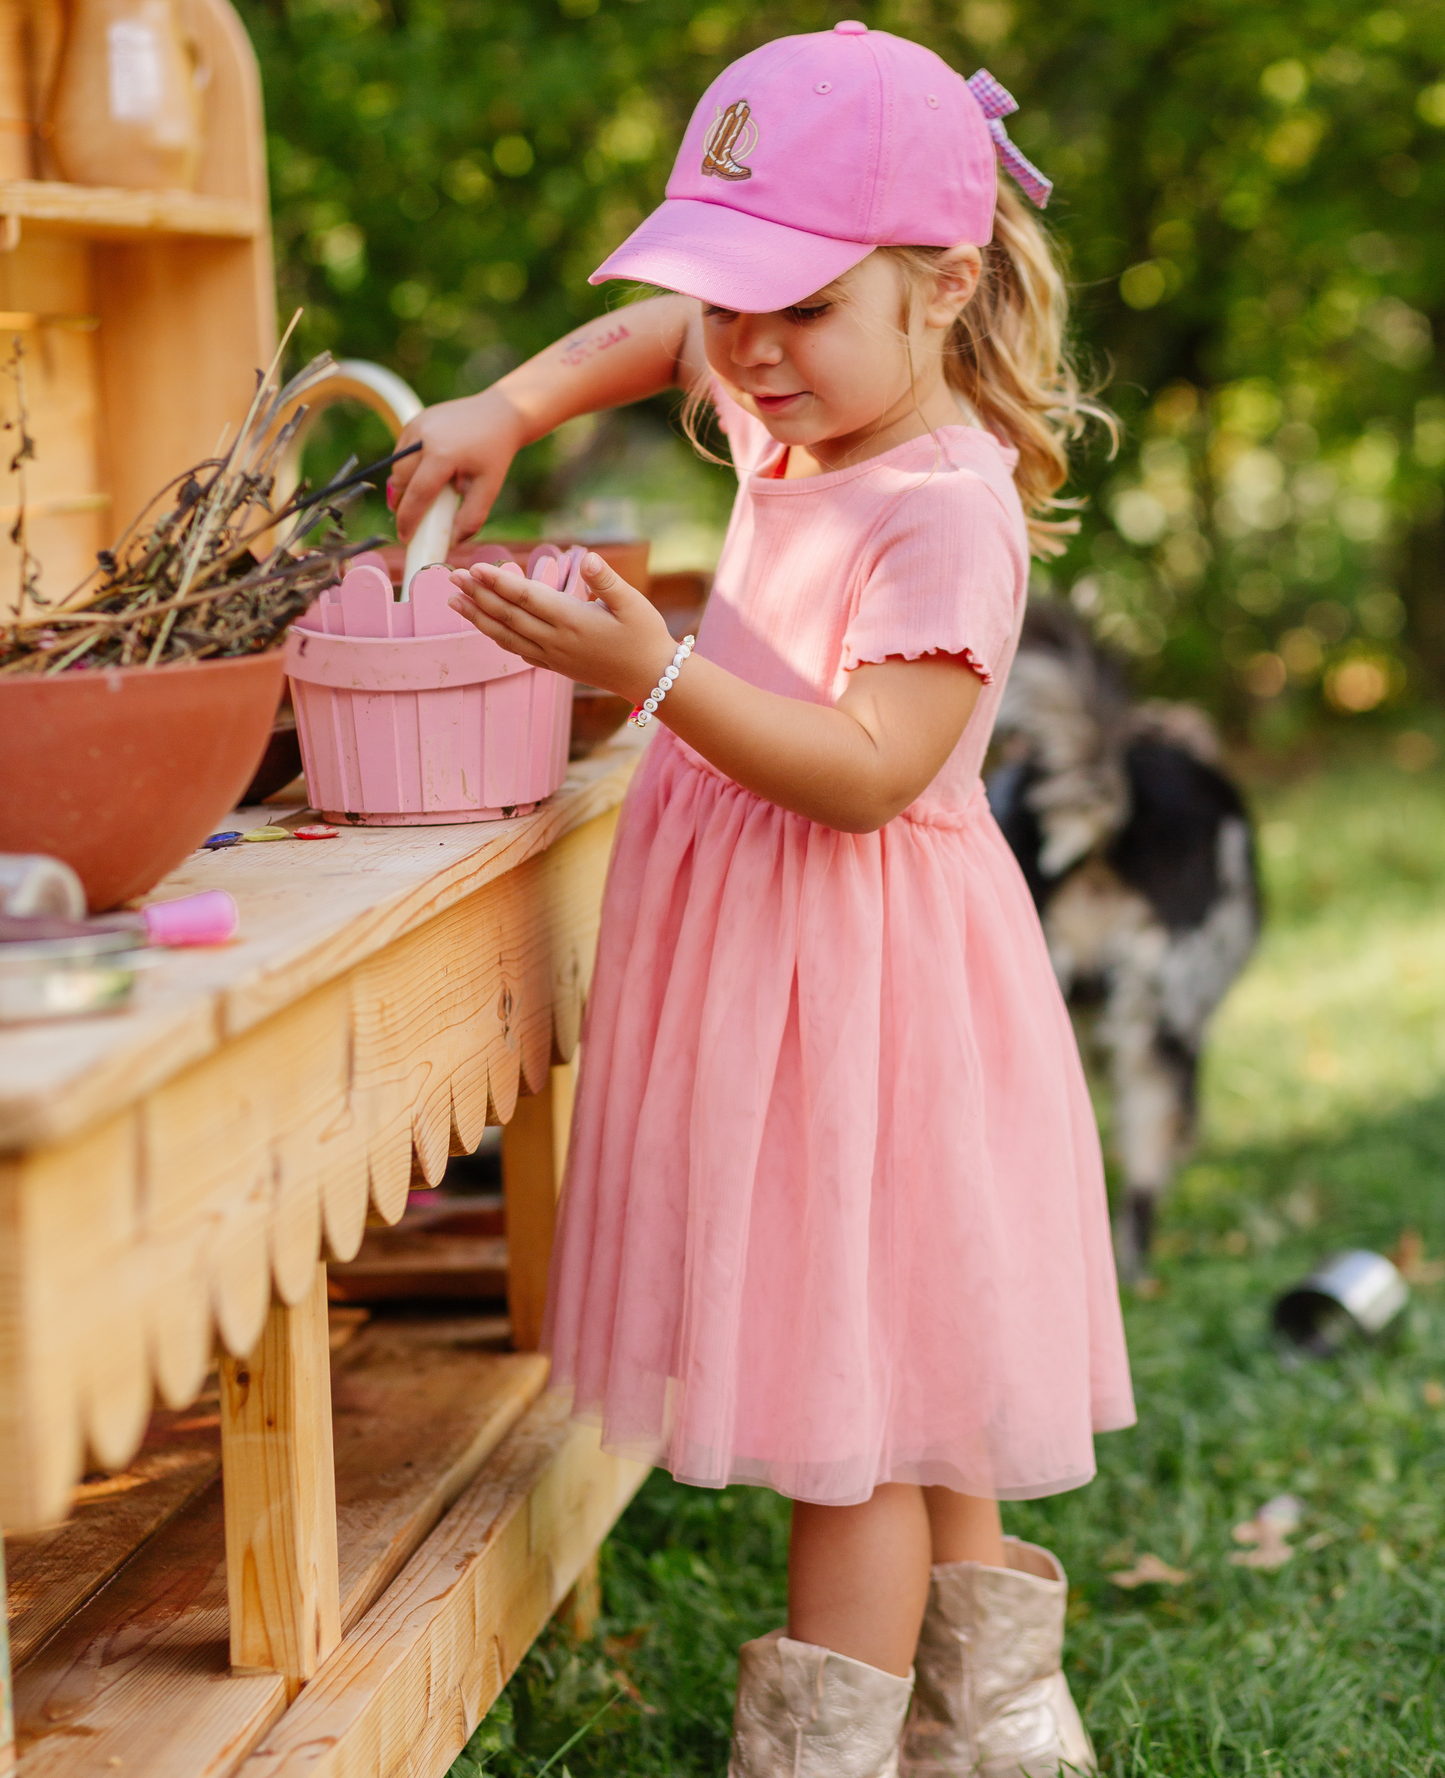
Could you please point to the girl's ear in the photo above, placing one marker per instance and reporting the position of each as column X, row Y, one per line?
column 955, row 278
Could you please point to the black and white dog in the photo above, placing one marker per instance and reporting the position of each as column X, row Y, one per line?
column 1140, row 857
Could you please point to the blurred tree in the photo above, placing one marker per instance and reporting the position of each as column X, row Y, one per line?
column 1249, row 197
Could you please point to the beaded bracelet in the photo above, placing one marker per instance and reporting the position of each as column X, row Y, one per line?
column 647, row 709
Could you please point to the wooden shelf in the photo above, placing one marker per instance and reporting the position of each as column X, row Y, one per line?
column 105, row 212
column 445, row 1247
column 137, row 1677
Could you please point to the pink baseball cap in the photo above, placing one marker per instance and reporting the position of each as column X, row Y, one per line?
column 805, row 155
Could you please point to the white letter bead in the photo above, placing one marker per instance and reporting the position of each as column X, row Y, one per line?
column 650, row 705
column 670, row 675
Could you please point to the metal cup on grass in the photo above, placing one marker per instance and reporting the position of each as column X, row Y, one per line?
column 1349, row 1295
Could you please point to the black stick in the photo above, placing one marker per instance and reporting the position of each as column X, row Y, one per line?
column 360, row 475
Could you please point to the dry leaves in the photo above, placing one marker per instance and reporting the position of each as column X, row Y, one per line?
column 1268, row 1531
column 618, row 1648
column 1150, row 1570
column 614, row 1647
column 1408, row 1256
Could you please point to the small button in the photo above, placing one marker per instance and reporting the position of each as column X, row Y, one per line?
column 933, row 100
column 849, row 28
column 823, row 86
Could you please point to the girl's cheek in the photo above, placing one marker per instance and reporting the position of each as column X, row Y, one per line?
column 714, row 349
column 857, row 375
column 730, row 388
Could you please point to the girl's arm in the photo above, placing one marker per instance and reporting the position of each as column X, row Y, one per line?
column 853, row 765
column 634, row 352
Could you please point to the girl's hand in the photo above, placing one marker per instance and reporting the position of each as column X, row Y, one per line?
column 617, row 640
column 469, row 443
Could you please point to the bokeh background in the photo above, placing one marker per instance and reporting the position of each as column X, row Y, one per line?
column 1249, row 198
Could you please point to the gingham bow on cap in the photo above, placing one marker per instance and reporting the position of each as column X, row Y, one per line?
column 995, row 102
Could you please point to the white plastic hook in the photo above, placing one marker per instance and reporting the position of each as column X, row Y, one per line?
column 432, row 537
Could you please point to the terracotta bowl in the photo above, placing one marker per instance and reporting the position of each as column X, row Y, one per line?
column 121, row 772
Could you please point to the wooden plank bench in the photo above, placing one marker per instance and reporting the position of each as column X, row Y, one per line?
column 394, row 1521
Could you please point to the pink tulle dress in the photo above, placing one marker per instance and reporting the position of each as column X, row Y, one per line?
column 834, row 1212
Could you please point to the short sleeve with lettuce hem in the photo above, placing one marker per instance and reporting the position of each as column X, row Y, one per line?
column 942, row 576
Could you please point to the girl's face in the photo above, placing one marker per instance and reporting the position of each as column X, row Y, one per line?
column 842, row 368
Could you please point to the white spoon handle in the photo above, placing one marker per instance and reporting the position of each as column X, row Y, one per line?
column 432, row 538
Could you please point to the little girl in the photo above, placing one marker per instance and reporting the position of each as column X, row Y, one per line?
column 834, row 1219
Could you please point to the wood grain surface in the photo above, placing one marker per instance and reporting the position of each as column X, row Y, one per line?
column 7, row 1712
column 534, row 1155
column 580, row 1609
column 99, row 212
column 280, row 1494
column 139, row 1680
column 406, row 1687
column 53, row 1572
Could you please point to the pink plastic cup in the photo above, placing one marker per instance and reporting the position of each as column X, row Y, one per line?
column 207, row 919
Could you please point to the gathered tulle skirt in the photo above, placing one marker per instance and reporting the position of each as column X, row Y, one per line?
column 834, row 1212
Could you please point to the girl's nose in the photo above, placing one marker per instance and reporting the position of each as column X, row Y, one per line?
column 754, row 343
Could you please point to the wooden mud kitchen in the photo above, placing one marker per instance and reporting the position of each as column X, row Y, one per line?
column 244, row 1535
column 320, row 1571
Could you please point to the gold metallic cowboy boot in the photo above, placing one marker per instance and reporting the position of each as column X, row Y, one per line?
column 992, row 1700
column 805, row 1712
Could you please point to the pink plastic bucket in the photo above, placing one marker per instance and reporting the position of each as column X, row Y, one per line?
column 407, row 715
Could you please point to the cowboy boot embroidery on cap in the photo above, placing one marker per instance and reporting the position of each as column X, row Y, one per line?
column 729, row 142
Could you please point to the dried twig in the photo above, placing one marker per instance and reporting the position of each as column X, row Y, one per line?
column 211, row 568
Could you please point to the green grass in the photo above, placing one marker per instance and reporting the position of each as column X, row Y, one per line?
column 1324, row 1126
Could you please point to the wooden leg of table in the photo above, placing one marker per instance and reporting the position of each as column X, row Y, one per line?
column 7, row 1705
column 534, row 1152
column 279, row 1479
column 582, row 1606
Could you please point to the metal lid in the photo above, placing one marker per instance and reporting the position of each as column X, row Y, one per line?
column 1351, row 1293
column 59, row 943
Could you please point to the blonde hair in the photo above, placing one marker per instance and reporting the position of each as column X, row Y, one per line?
column 1007, row 355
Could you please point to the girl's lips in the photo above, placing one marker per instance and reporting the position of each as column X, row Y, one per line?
column 773, row 404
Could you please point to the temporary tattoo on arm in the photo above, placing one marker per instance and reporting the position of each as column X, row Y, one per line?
column 583, row 346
